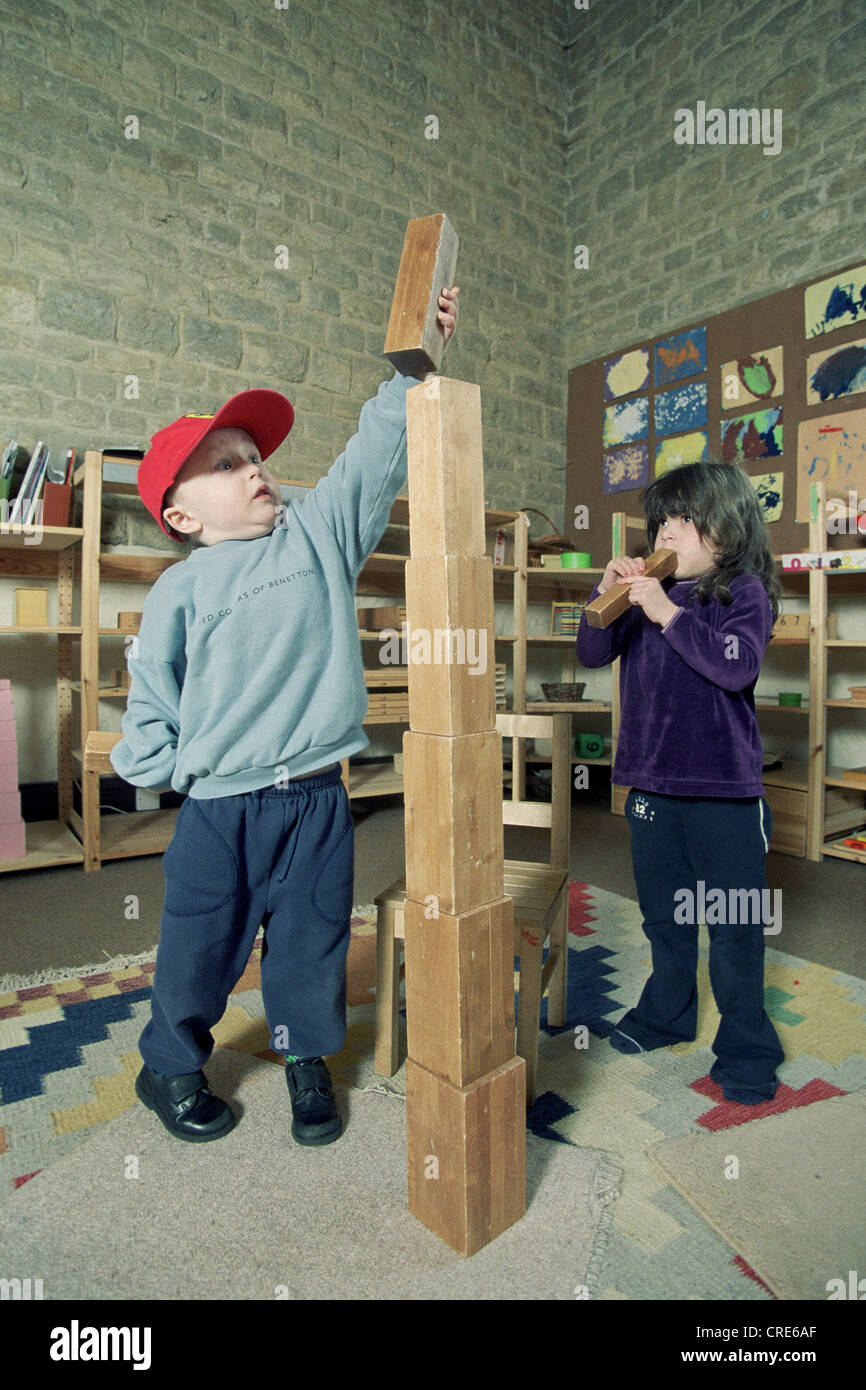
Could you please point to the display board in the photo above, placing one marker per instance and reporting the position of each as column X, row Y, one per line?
column 777, row 385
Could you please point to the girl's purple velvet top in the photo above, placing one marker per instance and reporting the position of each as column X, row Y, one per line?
column 689, row 726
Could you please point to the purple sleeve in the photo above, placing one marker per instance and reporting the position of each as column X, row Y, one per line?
column 599, row 646
column 729, row 654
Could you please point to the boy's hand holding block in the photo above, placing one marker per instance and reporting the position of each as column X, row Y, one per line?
column 614, row 601
column 415, row 341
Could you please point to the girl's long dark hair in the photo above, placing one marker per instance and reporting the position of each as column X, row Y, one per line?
column 723, row 504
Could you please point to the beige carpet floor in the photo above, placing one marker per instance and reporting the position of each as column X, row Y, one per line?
column 136, row 1214
column 788, row 1192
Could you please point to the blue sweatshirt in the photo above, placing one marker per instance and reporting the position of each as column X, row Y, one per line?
column 688, row 726
column 248, row 666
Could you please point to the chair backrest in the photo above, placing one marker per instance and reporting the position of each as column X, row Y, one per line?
column 555, row 814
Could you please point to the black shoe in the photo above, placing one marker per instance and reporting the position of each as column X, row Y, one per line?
column 315, row 1117
column 185, row 1105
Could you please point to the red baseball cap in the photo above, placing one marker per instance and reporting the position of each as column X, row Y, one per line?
column 266, row 416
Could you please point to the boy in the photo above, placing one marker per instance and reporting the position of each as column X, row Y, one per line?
column 247, row 690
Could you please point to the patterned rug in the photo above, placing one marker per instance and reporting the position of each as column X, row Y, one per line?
column 68, row 1060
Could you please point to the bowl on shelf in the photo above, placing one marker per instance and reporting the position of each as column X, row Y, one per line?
column 563, row 692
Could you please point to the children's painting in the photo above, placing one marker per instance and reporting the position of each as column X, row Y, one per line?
column 835, row 302
column 626, row 423
column 685, row 354
column 769, row 488
column 755, row 436
column 839, row 372
column 626, row 467
column 831, row 449
column 684, row 408
column 626, row 373
column 758, row 377
column 687, row 448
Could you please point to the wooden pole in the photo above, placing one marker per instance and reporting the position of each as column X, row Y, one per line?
column 465, row 1088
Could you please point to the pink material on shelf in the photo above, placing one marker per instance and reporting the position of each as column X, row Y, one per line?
column 13, row 840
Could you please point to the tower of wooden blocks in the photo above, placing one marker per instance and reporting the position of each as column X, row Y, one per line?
column 12, row 829
column 465, row 1088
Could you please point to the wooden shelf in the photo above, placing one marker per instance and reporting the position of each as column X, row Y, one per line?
column 783, row 709
column 836, row 850
column 48, row 842
column 125, row 836
column 51, row 537
column 834, row 778
column 375, row 779
column 61, row 631
column 846, row 704
column 567, row 706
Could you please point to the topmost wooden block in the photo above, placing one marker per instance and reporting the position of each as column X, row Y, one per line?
column 415, row 340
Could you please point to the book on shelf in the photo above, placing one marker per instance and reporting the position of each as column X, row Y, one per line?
column 23, row 509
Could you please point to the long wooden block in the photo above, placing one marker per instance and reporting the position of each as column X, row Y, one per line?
column 450, row 646
column 415, row 339
column 446, row 468
column 460, row 989
column 467, row 1153
column 452, row 792
column 615, row 601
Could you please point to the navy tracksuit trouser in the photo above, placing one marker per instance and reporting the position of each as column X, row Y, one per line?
column 281, row 857
column 677, row 842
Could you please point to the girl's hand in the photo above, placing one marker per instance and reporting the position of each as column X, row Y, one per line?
column 651, row 597
column 619, row 568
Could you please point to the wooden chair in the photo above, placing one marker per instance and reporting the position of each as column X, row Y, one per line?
column 540, row 895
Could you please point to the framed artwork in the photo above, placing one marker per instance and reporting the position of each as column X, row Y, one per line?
column 840, row 371
column 625, row 468
column 625, row 423
column 683, row 408
column 769, row 487
column 754, row 436
column 685, row 354
column 835, row 302
column 757, row 377
column 626, row 373
column 832, row 449
column 685, row 448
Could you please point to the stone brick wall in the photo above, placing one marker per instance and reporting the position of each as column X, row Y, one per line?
column 155, row 157
column 677, row 231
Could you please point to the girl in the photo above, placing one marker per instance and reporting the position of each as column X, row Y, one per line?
column 690, row 750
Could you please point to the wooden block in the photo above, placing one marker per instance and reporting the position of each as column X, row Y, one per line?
column 460, row 989
column 31, row 607
column 452, row 793
column 614, row 602
column 128, row 622
column 446, row 469
column 415, row 339
column 854, row 774
column 450, row 646
column 466, row 1149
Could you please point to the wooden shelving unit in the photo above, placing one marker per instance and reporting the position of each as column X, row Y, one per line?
column 53, row 559
column 836, row 805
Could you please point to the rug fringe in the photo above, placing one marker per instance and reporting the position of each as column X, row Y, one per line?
column 606, row 1187
column 10, row 984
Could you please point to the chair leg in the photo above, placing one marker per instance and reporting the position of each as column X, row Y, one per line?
column 558, row 989
column 529, row 1005
column 385, row 1060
